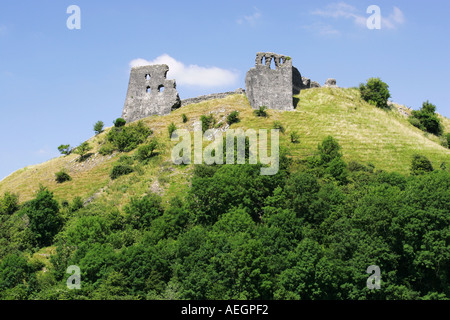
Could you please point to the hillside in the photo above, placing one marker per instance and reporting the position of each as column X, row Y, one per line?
column 189, row 232
column 367, row 135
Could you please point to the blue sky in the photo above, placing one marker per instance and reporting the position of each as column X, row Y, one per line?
column 55, row 83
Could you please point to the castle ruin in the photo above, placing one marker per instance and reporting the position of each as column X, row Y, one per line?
column 150, row 93
column 273, row 88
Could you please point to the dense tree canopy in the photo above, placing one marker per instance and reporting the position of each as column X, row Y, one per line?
column 304, row 233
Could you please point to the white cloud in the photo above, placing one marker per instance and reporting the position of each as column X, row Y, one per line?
column 346, row 11
column 192, row 75
column 393, row 20
column 251, row 19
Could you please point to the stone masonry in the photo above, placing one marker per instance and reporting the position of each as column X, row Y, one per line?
column 150, row 93
column 273, row 88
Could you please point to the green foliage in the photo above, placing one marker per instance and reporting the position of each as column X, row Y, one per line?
column 294, row 136
column 62, row 176
column 141, row 212
column 9, row 203
column 278, row 125
column 233, row 117
column 447, row 137
column 119, row 122
column 106, row 149
column 83, row 149
column 64, row 149
column 207, row 122
column 420, row 164
column 426, row 119
column 145, row 152
column 14, row 270
column 98, row 127
column 308, row 232
column 261, row 112
column 184, row 117
column 44, row 219
column 172, row 127
column 329, row 150
column 120, row 170
column 375, row 91
column 128, row 138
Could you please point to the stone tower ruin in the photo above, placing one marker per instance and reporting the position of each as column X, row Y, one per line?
column 150, row 93
column 273, row 88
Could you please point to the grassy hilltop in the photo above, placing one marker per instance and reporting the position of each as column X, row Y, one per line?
column 367, row 135
column 343, row 200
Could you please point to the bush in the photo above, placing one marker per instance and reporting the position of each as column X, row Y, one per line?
column 64, row 149
column 145, row 152
column 172, row 127
column 119, row 122
column 329, row 150
column 62, row 176
column 375, row 92
column 98, row 127
column 294, row 136
column 120, row 170
column 106, row 149
column 83, row 148
column 447, row 137
column 129, row 137
column 77, row 203
column 420, row 164
column 126, row 160
column 233, row 117
column 9, row 203
column 184, row 117
column 261, row 112
column 427, row 118
column 43, row 214
column 415, row 122
column 207, row 122
column 278, row 125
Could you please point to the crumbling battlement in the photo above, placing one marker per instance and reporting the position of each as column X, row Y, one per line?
column 273, row 88
column 150, row 93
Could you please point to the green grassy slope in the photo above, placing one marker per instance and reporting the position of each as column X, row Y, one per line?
column 366, row 134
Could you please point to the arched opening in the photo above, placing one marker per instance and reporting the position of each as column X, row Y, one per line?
column 147, row 77
column 161, row 88
column 272, row 64
column 148, row 90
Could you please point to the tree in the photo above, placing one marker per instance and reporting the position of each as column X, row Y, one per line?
column 427, row 118
column 119, row 122
column 14, row 270
column 98, row 127
column 9, row 203
column 145, row 152
column 64, row 149
column 420, row 164
column 329, row 150
column 43, row 213
column 83, row 148
column 376, row 92
column 172, row 127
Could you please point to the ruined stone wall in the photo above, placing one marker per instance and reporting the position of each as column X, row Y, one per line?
column 273, row 88
column 212, row 96
column 150, row 93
